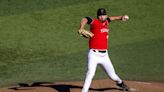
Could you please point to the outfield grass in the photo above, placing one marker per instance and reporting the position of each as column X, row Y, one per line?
column 39, row 41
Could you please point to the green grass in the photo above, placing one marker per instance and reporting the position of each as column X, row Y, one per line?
column 144, row 58
column 39, row 41
column 12, row 7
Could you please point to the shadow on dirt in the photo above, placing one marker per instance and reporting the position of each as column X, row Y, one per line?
column 58, row 87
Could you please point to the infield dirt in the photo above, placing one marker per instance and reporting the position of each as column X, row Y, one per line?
column 104, row 85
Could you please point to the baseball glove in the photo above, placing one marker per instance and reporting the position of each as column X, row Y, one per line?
column 85, row 33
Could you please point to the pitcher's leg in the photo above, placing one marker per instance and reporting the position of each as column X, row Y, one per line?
column 108, row 66
column 111, row 73
column 92, row 64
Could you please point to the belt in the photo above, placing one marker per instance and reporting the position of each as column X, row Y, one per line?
column 101, row 51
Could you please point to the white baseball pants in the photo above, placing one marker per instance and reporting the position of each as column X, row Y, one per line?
column 95, row 58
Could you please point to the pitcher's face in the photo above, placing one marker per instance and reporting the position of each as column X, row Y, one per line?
column 102, row 18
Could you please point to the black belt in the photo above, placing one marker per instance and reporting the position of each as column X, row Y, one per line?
column 101, row 51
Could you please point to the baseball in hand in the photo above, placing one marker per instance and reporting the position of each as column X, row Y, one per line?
column 125, row 18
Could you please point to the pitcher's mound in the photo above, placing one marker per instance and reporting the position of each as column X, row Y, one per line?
column 104, row 85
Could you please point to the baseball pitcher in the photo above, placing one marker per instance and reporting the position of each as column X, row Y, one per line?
column 98, row 46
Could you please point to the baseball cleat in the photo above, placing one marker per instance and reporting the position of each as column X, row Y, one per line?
column 123, row 86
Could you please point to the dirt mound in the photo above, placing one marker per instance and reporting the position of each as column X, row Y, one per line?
column 104, row 85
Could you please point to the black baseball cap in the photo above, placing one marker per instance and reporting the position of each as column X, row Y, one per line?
column 101, row 11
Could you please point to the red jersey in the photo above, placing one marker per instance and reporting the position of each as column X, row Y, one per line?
column 100, row 39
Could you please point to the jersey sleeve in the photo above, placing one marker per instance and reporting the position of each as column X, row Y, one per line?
column 109, row 20
column 89, row 20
